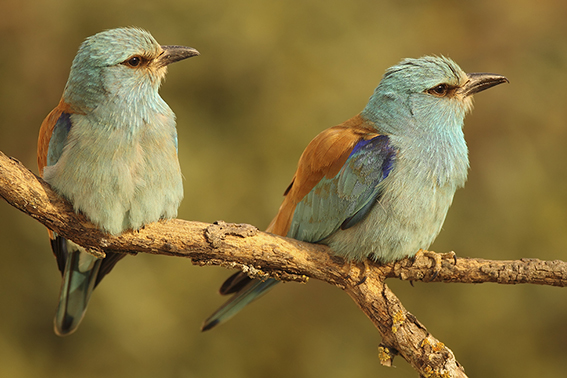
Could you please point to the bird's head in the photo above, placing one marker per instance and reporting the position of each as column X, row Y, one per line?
column 428, row 93
column 119, row 63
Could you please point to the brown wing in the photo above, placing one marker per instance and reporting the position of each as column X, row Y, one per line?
column 324, row 157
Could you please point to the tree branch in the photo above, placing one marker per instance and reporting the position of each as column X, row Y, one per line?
column 263, row 255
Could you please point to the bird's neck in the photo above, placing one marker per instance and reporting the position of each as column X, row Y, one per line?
column 429, row 140
column 130, row 110
column 441, row 155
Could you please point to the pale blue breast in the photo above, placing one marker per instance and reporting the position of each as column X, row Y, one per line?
column 121, row 175
column 417, row 196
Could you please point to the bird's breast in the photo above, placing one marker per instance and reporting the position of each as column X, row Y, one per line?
column 416, row 197
column 118, row 178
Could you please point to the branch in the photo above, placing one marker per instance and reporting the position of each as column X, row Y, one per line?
column 263, row 255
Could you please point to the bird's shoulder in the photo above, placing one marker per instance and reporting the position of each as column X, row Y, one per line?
column 327, row 153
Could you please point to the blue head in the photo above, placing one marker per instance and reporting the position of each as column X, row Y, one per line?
column 425, row 95
column 124, row 64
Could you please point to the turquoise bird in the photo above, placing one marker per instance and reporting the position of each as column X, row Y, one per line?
column 380, row 184
column 110, row 148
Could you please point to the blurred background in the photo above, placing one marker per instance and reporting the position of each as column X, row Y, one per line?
column 271, row 76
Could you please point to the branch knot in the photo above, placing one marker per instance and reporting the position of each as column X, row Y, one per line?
column 217, row 232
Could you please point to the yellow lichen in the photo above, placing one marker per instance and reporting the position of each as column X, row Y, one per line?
column 439, row 347
column 398, row 320
column 384, row 356
column 428, row 372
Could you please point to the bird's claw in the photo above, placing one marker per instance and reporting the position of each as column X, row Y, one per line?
column 422, row 258
column 451, row 255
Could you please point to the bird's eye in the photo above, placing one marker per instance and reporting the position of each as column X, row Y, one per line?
column 439, row 90
column 134, row 61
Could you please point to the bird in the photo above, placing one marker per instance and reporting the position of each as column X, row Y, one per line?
column 110, row 148
column 379, row 185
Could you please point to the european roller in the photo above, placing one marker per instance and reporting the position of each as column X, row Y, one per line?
column 110, row 148
column 380, row 184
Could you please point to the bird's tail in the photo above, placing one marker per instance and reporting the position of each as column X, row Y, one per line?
column 245, row 291
column 79, row 278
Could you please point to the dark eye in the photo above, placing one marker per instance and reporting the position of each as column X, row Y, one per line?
column 133, row 61
column 439, row 90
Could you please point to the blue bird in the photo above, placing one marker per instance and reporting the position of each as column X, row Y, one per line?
column 110, row 148
column 380, row 184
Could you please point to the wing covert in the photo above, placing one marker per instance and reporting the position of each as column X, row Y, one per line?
column 52, row 135
column 345, row 199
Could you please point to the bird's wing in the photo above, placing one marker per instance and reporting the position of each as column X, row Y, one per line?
column 336, row 183
column 52, row 135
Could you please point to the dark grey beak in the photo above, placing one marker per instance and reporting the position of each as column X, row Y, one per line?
column 172, row 54
column 480, row 81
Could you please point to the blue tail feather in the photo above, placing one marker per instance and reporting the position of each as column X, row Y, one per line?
column 79, row 278
column 253, row 290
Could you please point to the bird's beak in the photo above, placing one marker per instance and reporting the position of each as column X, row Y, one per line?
column 480, row 81
column 172, row 54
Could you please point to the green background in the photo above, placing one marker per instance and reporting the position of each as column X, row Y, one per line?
column 273, row 74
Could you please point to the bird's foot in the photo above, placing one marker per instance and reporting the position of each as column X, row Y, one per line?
column 428, row 259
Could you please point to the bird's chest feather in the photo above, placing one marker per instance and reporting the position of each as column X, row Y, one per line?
column 420, row 192
column 120, row 176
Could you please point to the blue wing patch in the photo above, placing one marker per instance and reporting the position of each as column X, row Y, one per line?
column 58, row 138
column 344, row 200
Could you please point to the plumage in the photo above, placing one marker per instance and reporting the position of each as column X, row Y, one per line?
column 46, row 130
column 110, row 148
column 324, row 157
column 379, row 185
